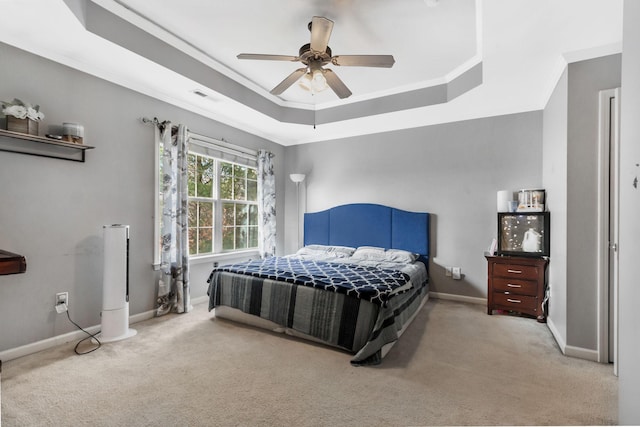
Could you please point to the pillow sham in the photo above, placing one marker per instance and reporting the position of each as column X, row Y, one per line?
column 371, row 253
column 399, row 255
column 326, row 250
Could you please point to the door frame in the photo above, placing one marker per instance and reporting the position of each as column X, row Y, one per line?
column 608, row 151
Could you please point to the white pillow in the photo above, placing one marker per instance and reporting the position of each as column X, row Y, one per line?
column 399, row 255
column 326, row 250
column 371, row 253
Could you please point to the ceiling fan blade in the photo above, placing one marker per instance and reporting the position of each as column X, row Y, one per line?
column 268, row 57
column 320, row 32
column 383, row 61
column 336, row 84
column 291, row 79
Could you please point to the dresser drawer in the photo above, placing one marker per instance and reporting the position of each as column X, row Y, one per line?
column 515, row 286
column 516, row 302
column 515, row 271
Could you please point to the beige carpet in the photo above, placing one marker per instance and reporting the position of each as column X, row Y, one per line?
column 455, row 365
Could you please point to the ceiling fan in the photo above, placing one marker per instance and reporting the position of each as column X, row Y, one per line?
column 314, row 56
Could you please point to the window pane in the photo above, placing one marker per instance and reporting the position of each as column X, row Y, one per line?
column 191, row 172
column 253, row 237
column 193, row 214
column 242, row 214
column 252, row 191
column 205, row 241
column 240, row 171
column 228, row 214
column 253, row 215
column 252, row 173
column 239, row 189
column 226, row 168
column 205, row 177
column 226, row 187
column 228, row 238
column 241, row 237
column 206, row 215
column 193, row 241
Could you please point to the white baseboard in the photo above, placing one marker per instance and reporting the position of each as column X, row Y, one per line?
column 14, row 353
column 581, row 353
column 569, row 350
column 556, row 334
column 199, row 300
column 459, row 298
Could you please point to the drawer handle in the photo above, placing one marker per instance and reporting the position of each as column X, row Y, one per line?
column 514, row 271
column 511, row 285
column 517, row 301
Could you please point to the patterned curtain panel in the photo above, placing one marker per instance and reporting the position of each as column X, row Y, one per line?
column 266, row 204
column 173, row 287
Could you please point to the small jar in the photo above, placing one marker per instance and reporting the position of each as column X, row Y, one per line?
column 73, row 132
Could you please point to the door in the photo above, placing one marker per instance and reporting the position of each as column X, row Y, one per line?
column 614, row 205
column 608, row 212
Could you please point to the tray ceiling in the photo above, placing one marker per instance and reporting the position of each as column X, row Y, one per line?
column 455, row 59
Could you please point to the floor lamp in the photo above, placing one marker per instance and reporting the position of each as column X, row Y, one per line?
column 297, row 178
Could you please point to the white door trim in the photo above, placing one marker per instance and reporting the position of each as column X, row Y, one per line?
column 608, row 134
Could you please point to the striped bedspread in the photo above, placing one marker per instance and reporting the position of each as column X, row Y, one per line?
column 357, row 325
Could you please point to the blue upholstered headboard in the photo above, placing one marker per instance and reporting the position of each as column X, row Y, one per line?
column 365, row 224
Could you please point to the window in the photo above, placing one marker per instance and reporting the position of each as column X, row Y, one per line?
column 239, row 195
column 222, row 199
column 225, row 187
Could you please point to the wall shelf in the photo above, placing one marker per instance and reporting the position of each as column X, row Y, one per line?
column 11, row 263
column 40, row 146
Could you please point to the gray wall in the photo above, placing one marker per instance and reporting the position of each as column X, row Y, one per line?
column 451, row 170
column 571, row 121
column 629, row 296
column 586, row 80
column 554, row 160
column 52, row 211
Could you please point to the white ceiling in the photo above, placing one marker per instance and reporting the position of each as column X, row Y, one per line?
column 521, row 46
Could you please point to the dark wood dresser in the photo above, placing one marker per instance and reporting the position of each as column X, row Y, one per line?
column 517, row 284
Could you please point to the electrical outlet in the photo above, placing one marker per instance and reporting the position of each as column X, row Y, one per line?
column 62, row 299
column 447, row 271
column 456, row 273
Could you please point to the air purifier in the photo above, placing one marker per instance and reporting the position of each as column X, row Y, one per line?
column 115, row 285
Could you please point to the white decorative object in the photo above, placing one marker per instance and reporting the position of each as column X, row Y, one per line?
column 73, row 132
column 115, row 286
column 531, row 241
column 297, row 177
column 504, row 197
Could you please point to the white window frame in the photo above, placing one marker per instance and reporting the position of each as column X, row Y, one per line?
column 220, row 151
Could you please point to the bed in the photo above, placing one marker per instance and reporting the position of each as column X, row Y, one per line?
column 357, row 283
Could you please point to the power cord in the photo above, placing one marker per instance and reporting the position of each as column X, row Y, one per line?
column 64, row 308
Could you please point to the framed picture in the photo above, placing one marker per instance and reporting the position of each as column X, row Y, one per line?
column 524, row 233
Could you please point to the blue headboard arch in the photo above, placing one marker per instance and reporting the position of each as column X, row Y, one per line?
column 366, row 224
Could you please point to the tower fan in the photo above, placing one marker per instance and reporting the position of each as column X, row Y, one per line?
column 115, row 285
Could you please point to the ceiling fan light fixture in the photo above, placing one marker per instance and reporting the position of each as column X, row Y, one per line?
column 314, row 82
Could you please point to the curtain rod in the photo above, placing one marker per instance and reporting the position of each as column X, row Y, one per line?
column 221, row 143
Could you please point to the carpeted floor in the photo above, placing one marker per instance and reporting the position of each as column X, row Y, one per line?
column 455, row 365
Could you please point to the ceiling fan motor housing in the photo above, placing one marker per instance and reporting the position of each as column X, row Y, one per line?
column 306, row 54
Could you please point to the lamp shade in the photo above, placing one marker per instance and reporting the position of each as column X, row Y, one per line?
column 297, row 177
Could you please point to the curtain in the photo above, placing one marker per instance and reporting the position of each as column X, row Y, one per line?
column 173, row 287
column 266, row 204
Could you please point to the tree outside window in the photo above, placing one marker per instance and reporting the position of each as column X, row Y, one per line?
column 230, row 188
